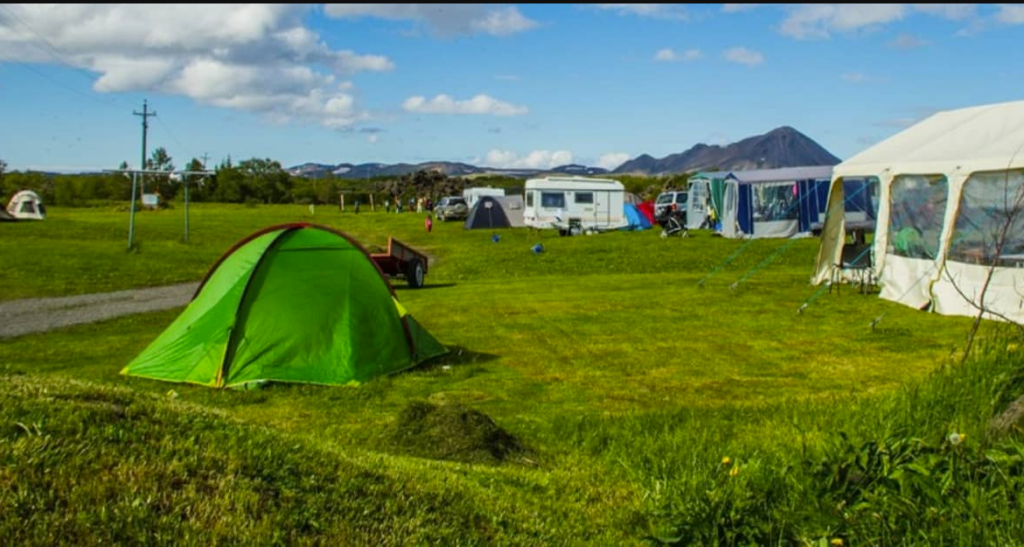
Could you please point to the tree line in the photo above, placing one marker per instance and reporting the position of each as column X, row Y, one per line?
column 265, row 181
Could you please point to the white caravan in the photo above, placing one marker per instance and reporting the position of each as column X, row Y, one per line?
column 574, row 204
column 471, row 195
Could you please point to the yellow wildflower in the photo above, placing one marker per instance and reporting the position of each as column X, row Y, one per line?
column 837, row 542
column 734, row 471
column 726, row 461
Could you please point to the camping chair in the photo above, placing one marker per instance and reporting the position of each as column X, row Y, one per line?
column 856, row 259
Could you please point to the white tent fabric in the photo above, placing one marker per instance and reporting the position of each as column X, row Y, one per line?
column 950, row 185
column 513, row 206
column 26, row 205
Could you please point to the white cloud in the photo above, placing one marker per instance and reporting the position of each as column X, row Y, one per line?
column 907, row 41
column 258, row 58
column 815, row 21
column 953, row 12
column 445, row 104
column 655, row 11
column 810, row 21
column 442, row 19
column 538, row 159
column 373, row 138
column 503, row 22
column 1011, row 14
column 737, row 8
column 612, row 160
column 668, row 55
column 743, row 56
column 855, row 77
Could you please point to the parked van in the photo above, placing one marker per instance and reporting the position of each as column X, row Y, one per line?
column 471, row 195
column 674, row 201
column 570, row 203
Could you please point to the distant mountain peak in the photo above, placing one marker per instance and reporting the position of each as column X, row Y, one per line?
column 781, row 147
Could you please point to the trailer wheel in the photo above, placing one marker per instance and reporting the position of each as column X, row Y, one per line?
column 414, row 273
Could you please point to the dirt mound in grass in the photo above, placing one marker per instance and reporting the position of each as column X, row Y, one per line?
column 454, row 432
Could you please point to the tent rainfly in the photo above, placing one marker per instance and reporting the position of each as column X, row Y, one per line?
column 950, row 186
column 291, row 303
column 495, row 212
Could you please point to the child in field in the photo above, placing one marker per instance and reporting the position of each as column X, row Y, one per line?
column 428, row 224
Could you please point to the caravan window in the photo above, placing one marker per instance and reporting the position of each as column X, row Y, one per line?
column 990, row 203
column 915, row 218
column 529, row 199
column 552, row 200
column 584, row 197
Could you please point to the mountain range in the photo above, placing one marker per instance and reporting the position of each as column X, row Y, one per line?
column 781, row 147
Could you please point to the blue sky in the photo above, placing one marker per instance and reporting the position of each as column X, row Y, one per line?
column 494, row 84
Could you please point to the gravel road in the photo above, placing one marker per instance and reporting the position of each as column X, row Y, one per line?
column 18, row 317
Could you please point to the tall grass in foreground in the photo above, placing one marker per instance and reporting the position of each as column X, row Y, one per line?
column 84, row 463
column 918, row 466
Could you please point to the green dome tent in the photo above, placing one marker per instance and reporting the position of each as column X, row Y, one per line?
column 291, row 303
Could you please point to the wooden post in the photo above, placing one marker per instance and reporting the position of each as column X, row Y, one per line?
column 342, row 202
column 373, row 208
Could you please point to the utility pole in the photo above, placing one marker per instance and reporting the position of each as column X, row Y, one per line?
column 205, row 157
column 145, row 114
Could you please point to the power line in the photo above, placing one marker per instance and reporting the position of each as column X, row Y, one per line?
column 60, row 84
column 54, row 51
column 175, row 139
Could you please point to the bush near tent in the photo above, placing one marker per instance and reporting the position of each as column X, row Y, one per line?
column 291, row 303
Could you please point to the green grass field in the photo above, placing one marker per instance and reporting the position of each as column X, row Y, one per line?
column 625, row 382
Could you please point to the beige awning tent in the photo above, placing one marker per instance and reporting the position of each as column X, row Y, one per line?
column 949, row 185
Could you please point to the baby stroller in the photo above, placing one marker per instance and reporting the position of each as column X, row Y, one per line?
column 672, row 223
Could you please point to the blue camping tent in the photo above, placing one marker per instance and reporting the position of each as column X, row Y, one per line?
column 634, row 218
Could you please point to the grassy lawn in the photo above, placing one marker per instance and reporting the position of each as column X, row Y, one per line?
column 625, row 381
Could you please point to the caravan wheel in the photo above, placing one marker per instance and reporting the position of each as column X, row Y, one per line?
column 414, row 273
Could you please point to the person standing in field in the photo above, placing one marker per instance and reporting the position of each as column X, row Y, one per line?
column 428, row 223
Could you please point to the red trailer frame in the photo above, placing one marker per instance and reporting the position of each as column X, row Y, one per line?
column 400, row 260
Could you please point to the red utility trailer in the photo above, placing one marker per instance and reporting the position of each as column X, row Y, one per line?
column 400, row 260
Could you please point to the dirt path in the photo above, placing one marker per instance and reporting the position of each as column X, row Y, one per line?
column 29, row 315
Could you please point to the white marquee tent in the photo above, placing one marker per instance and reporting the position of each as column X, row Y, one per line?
column 951, row 185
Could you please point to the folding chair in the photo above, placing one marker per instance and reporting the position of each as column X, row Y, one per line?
column 856, row 259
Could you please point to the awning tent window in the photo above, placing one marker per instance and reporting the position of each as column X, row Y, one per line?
column 990, row 203
column 774, row 202
column 916, row 215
